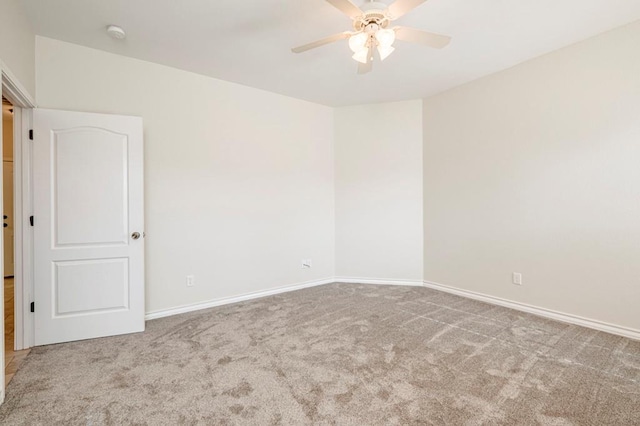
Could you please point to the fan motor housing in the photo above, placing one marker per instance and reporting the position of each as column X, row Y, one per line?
column 373, row 13
column 377, row 17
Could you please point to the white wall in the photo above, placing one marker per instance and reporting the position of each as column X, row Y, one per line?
column 537, row 170
column 379, row 230
column 532, row 170
column 17, row 44
column 239, row 182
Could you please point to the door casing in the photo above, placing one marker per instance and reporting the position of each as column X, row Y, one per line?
column 23, row 239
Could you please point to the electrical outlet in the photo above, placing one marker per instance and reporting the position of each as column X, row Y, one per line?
column 306, row 263
column 517, row 278
column 191, row 281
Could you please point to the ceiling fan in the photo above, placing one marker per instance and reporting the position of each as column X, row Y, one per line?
column 372, row 31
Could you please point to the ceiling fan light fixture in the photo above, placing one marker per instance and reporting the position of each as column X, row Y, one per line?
column 386, row 37
column 357, row 42
column 362, row 55
column 372, row 28
column 385, row 51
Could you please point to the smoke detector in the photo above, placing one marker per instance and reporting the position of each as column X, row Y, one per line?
column 116, row 32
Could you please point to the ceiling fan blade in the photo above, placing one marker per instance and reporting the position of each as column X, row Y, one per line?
column 346, row 7
column 365, row 68
column 437, row 41
column 401, row 7
column 322, row 42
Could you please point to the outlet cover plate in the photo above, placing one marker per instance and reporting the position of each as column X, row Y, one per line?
column 517, row 278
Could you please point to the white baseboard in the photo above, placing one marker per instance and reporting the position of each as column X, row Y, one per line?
column 233, row 299
column 255, row 295
column 542, row 312
column 378, row 281
column 546, row 313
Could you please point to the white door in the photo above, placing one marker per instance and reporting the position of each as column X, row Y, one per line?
column 7, row 206
column 88, row 225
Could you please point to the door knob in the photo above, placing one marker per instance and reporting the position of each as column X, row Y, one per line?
column 135, row 235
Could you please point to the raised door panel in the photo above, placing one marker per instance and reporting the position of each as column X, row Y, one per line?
column 89, row 287
column 89, row 167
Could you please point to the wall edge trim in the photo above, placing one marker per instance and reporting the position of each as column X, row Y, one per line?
column 518, row 306
column 16, row 92
column 183, row 309
column 379, row 281
column 542, row 312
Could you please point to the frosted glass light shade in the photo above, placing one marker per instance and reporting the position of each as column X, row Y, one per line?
column 385, row 51
column 358, row 41
column 361, row 55
column 385, row 37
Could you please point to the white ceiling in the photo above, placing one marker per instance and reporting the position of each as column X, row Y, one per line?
column 249, row 41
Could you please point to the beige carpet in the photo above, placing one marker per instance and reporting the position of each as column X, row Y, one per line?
column 336, row 354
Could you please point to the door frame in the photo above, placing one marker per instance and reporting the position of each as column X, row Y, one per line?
column 23, row 103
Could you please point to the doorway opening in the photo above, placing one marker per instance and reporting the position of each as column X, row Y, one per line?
column 20, row 289
column 12, row 357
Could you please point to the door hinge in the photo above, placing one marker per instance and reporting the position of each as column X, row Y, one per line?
column 31, row 220
column 30, row 134
column 33, row 306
